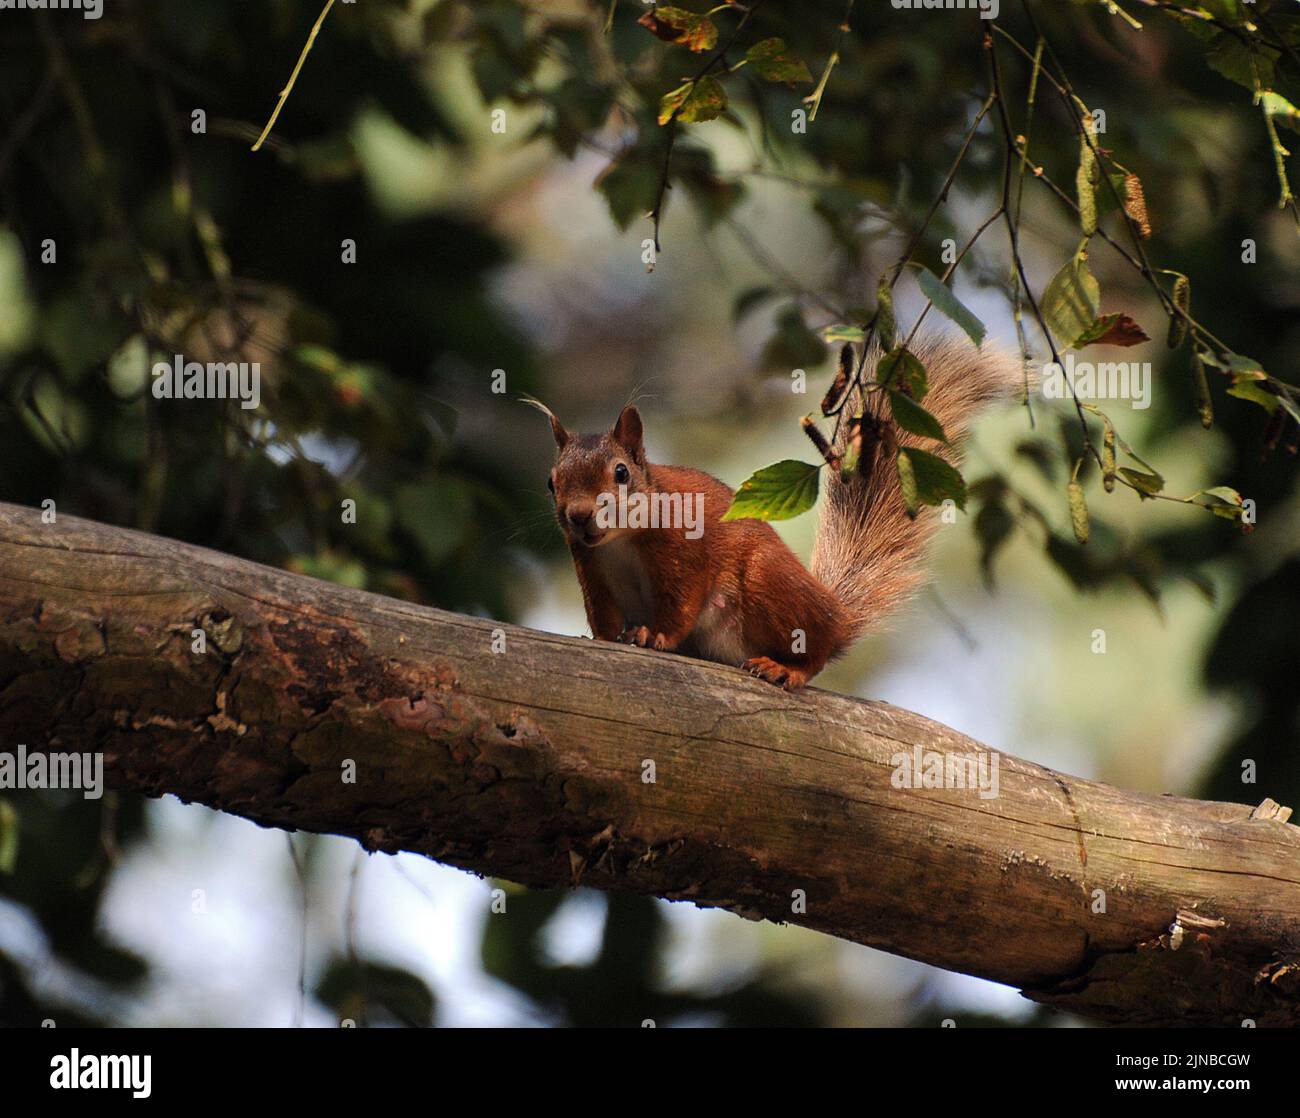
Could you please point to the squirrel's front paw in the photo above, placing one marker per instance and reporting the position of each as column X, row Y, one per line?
column 644, row 638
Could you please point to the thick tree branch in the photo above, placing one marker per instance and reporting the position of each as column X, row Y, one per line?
column 528, row 764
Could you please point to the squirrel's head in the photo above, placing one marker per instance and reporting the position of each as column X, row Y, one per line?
column 592, row 472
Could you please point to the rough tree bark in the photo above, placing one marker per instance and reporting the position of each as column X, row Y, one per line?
column 527, row 764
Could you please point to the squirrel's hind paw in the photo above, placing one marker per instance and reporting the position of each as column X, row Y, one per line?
column 791, row 679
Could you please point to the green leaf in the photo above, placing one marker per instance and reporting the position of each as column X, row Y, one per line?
column 842, row 333
column 1246, row 387
column 1071, row 301
column 1221, row 500
column 776, row 492
column 900, row 368
column 1143, row 482
column 928, row 480
column 1278, row 106
column 1291, row 406
column 771, row 62
column 1236, row 363
column 1107, row 199
column 630, row 186
column 694, row 102
column 948, row 303
column 684, row 29
column 1249, row 64
column 910, row 416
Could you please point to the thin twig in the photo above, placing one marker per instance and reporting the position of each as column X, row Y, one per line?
column 293, row 78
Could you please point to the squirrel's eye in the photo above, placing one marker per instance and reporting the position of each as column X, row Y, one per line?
column 550, row 484
column 620, row 474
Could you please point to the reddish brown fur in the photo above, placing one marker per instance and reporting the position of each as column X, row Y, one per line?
column 737, row 593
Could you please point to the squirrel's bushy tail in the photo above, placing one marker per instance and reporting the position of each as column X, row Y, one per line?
column 869, row 552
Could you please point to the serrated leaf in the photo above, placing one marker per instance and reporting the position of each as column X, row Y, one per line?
column 694, row 102
column 1221, row 500
column 949, row 305
column 777, row 492
column 1145, row 483
column 771, row 61
column 1071, row 301
column 682, row 28
column 928, row 480
column 1247, row 387
column 910, row 416
column 1237, row 364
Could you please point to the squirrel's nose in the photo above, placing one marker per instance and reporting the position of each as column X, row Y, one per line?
column 579, row 514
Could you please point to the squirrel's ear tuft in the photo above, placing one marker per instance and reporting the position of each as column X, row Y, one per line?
column 557, row 428
column 627, row 431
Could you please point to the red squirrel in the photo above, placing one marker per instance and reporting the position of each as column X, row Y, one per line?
column 731, row 590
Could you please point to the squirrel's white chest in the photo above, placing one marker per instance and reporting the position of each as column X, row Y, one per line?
column 623, row 572
column 717, row 632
